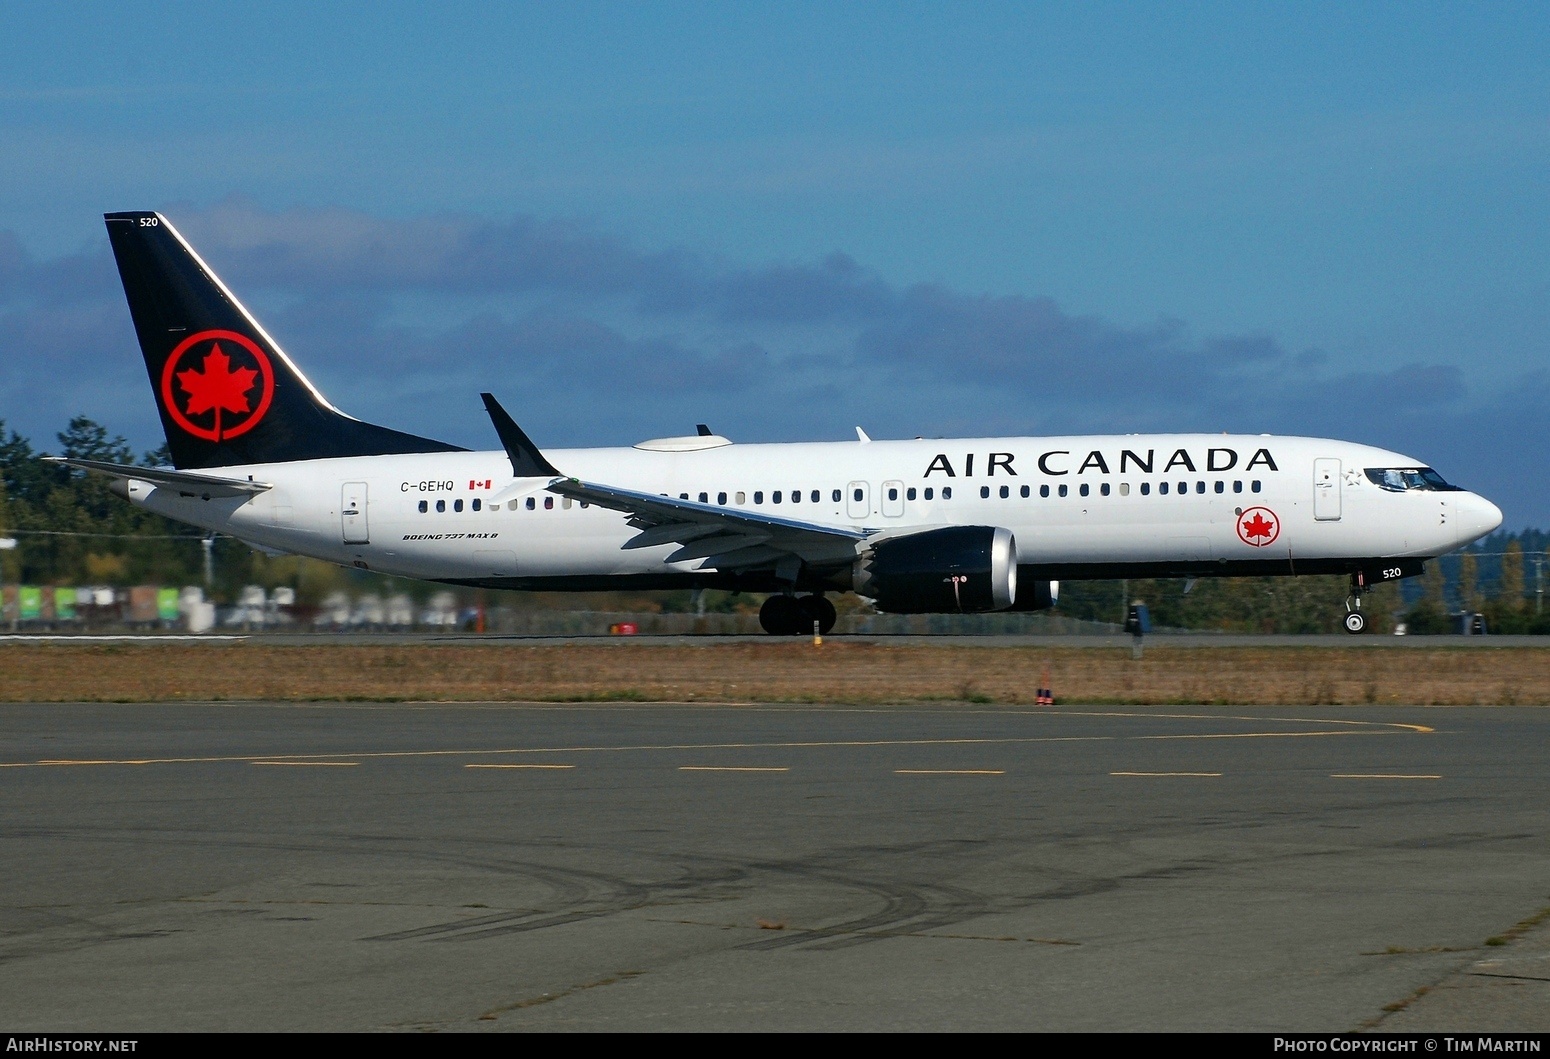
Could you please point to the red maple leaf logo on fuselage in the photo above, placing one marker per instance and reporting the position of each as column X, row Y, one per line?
column 1256, row 529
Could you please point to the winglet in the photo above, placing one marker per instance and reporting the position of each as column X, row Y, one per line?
column 526, row 460
column 861, row 436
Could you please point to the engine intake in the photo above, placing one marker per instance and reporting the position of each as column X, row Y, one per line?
column 956, row 570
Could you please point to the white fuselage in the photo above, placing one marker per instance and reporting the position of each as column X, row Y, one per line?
column 1091, row 502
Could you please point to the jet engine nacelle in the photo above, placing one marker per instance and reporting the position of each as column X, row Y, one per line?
column 959, row 569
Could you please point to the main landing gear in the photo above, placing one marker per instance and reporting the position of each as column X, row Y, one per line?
column 794, row 615
column 1355, row 620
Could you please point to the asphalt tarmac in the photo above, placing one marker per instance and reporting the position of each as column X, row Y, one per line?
column 493, row 867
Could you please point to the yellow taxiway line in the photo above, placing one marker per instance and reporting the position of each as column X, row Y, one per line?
column 1355, row 728
column 949, row 772
column 1165, row 774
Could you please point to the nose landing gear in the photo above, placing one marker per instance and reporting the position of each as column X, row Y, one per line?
column 1355, row 620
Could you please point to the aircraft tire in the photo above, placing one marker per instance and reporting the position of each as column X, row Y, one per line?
column 819, row 609
column 1355, row 623
column 781, row 616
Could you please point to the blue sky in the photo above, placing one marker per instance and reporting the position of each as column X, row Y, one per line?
column 788, row 219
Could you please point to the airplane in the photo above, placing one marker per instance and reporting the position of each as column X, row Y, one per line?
column 967, row 525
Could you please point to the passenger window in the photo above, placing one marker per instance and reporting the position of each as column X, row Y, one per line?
column 1104, row 489
column 1183, row 488
column 857, row 496
column 775, row 497
column 1024, row 491
column 1044, row 490
column 758, row 496
column 1085, row 489
column 1237, row 487
column 1162, row 487
column 947, row 492
column 1124, row 489
column 796, row 496
column 566, row 503
column 817, row 496
column 1063, row 490
column 909, row 494
column 476, row 503
column 1005, row 492
column 1219, row 487
column 1254, row 485
column 721, row 498
column 837, row 496
column 511, row 505
column 585, row 505
column 1200, row 487
column 930, row 493
column 683, row 496
column 893, row 493
column 704, row 498
column 984, row 492
column 424, row 506
column 1146, row 488
column 742, row 497
column 548, row 503
column 531, row 504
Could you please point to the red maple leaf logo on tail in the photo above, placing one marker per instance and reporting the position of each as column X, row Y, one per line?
column 218, row 387
column 221, row 374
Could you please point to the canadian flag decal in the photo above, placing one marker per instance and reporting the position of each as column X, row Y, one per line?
column 480, row 485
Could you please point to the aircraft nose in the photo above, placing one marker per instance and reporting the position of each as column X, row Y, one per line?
column 1477, row 517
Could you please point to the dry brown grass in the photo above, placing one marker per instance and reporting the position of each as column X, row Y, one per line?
column 789, row 671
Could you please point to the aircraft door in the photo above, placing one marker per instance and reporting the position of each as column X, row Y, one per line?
column 1326, row 490
column 352, row 514
column 893, row 499
column 858, row 500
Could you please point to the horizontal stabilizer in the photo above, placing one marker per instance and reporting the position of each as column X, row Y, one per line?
column 205, row 485
column 526, row 460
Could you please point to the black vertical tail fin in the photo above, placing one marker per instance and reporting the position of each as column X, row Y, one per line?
column 226, row 391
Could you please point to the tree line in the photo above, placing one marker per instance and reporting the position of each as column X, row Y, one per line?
column 71, row 530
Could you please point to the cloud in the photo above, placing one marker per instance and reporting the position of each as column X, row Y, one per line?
column 338, row 250
column 591, row 339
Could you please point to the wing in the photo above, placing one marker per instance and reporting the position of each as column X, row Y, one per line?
column 190, row 483
column 726, row 538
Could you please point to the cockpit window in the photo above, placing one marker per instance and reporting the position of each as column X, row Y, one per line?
column 1403, row 479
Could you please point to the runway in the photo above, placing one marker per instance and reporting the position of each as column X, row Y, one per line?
column 361, row 866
